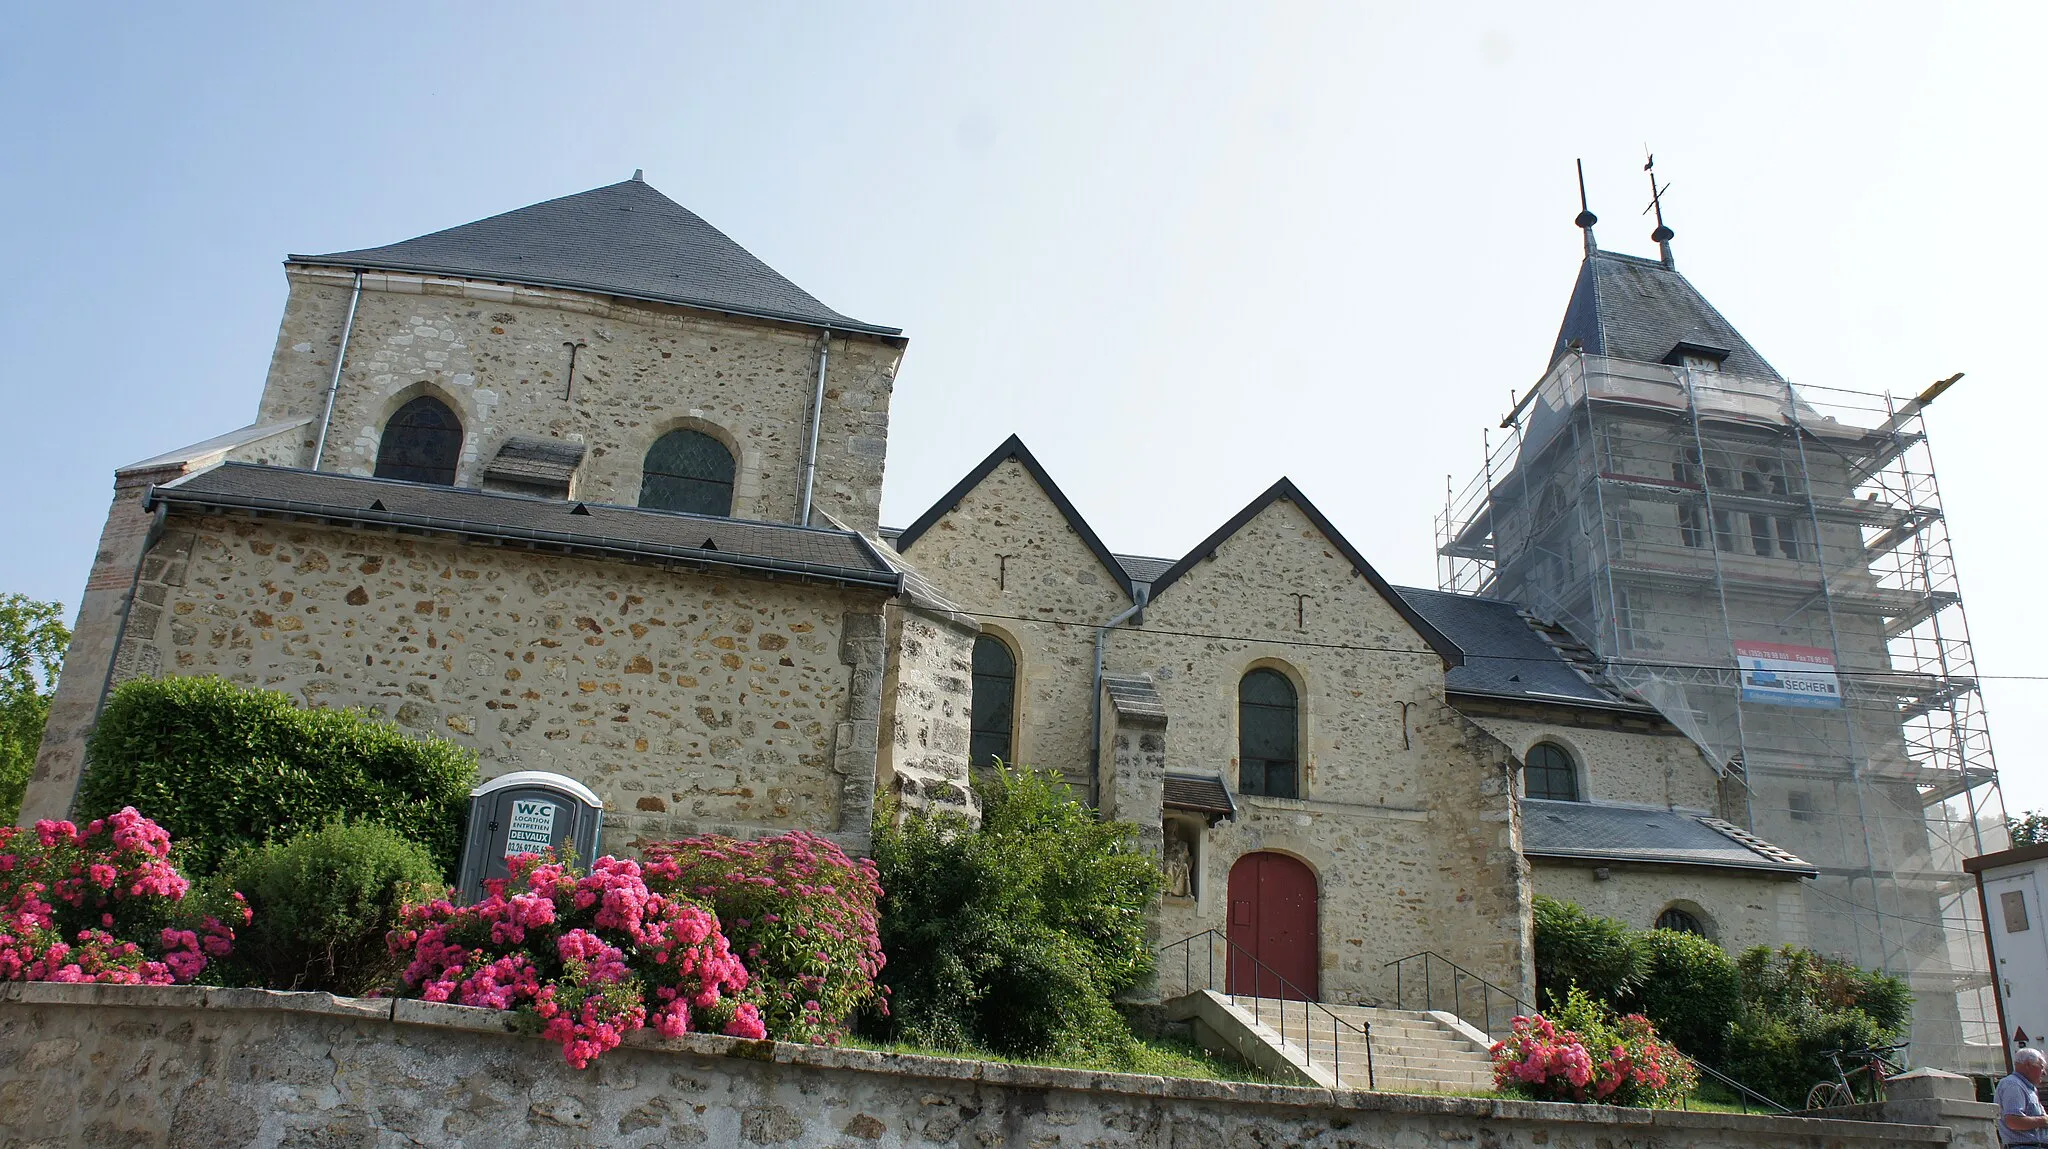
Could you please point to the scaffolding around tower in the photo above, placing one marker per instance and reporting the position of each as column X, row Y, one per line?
column 1769, row 566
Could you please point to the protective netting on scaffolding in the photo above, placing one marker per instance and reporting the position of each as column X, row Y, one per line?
column 1769, row 567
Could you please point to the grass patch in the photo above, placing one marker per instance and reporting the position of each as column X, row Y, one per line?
column 1159, row 1057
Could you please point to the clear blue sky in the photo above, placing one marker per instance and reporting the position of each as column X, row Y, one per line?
column 1181, row 248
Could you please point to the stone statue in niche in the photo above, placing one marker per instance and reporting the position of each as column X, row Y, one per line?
column 1179, row 867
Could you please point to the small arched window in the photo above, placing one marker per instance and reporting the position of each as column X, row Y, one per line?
column 995, row 703
column 1549, row 773
column 1683, row 921
column 1267, row 724
column 422, row 443
column 688, row 471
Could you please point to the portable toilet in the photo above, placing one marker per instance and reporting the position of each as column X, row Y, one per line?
column 526, row 812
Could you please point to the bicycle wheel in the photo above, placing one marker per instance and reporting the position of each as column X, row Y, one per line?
column 1828, row 1095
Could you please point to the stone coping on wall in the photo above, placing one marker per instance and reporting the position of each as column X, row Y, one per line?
column 1671, row 1126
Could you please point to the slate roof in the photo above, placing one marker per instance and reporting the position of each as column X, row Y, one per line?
column 1591, row 831
column 1199, row 793
column 773, row 550
column 1135, row 698
column 1143, row 568
column 623, row 239
column 530, row 459
column 1508, row 655
column 1625, row 307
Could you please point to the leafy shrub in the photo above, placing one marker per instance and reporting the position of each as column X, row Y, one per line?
column 800, row 913
column 1798, row 1005
column 1017, row 935
column 585, row 959
column 1580, row 1051
column 104, row 904
column 1690, row 991
column 324, row 902
column 1602, row 956
column 224, row 768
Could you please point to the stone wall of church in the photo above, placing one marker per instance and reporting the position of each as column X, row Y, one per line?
column 1738, row 910
column 1006, row 555
column 1406, row 815
column 1621, row 765
column 499, row 356
column 690, row 702
column 925, row 700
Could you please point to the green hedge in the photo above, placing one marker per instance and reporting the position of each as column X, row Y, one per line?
column 222, row 768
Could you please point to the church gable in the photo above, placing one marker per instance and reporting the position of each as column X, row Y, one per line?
column 1006, row 538
column 1281, row 558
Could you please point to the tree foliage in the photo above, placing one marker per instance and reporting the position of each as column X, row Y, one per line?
column 1600, row 955
column 2029, row 829
column 1014, row 936
column 222, row 768
column 32, row 642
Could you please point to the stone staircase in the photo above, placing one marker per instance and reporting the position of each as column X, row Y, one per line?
column 1412, row 1051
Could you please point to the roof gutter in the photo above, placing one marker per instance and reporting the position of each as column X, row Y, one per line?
column 756, row 564
column 1563, row 855
column 334, row 384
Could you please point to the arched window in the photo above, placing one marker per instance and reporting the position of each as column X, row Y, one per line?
column 688, row 471
column 995, row 702
column 1549, row 773
column 422, row 443
column 1267, row 722
column 1684, row 922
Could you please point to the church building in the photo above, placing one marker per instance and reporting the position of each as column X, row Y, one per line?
column 587, row 488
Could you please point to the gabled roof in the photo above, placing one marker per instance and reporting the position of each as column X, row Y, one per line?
column 623, row 239
column 1014, row 448
column 1510, row 654
column 596, row 530
column 1285, row 489
column 1592, row 831
column 1624, row 307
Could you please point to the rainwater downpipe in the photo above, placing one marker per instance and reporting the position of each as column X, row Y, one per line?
column 334, row 384
column 1095, row 708
column 803, row 518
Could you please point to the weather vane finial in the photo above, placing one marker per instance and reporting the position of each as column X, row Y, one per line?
column 1586, row 218
column 1663, row 234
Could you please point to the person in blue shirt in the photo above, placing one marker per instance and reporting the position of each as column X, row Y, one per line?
column 2020, row 1119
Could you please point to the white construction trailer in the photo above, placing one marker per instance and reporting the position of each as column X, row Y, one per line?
column 2009, row 888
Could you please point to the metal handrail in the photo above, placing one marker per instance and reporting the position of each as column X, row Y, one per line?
column 1459, row 977
column 1487, row 992
column 1259, row 969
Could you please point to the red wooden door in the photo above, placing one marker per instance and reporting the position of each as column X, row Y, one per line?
column 1273, row 918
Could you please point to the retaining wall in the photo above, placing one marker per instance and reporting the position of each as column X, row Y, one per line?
column 183, row 1066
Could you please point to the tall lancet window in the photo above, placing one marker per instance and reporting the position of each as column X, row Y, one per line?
column 995, row 703
column 421, row 443
column 1268, row 718
column 688, row 471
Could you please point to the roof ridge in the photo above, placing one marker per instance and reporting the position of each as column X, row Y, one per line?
column 1285, row 489
column 1014, row 448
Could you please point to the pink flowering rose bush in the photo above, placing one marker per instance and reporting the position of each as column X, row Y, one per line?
column 1582, row 1052
column 586, row 957
column 801, row 914
column 105, row 904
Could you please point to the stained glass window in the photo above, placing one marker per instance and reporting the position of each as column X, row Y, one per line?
column 1267, row 723
column 1550, row 773
column 688, row 471
column 995, row 702
column 421, row 443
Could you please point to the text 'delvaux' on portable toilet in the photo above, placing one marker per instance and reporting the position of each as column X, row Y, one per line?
column 526, row 812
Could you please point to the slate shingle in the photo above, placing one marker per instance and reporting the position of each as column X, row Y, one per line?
column 622, row 239
column 1625, row 307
